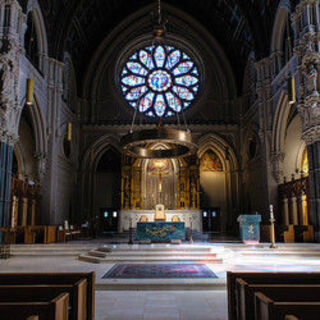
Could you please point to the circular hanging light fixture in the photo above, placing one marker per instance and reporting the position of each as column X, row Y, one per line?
column 159, row 80
column 179, row 142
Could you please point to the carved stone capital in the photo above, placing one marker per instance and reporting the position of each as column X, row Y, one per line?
column 8, row 137
column 277, row 156
column 277, row 159
column 311, row 135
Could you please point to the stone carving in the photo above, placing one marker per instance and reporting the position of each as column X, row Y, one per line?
column 276, row 161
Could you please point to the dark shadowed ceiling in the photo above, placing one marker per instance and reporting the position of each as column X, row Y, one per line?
column 240, row 26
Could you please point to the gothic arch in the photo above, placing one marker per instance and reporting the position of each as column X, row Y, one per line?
column 33, row 8
column 221, row 147
column 300, row 155
column 280, row 123
column 279, row 26
column 122, row 31
column 38, row 126
column 89, row 163
column 229, row 197
column 69, row 82
column 19, row 156
column 103, row 65
column 97, row 148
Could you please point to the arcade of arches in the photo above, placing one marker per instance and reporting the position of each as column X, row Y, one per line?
column 250, row 100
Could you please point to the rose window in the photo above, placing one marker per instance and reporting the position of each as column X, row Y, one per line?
column 160, row 81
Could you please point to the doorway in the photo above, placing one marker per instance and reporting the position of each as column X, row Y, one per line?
column 109, row 218
column 211, row 220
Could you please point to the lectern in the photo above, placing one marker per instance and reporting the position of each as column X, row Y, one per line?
column 250, row 228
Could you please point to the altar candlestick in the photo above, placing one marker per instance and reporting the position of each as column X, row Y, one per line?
column 272, row 230
column 271, row 212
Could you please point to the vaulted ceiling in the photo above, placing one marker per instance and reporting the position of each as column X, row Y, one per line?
column 239, row 26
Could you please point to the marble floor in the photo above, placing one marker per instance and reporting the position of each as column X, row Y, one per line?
column 196, row 301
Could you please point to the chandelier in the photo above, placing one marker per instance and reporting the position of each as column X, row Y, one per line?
column 158, row 81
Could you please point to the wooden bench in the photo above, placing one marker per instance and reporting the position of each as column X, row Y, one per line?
column 264, row 278
column 275, row 303
column 77, row 294
column 246, row 295
column 18, row 306
column 58, row 279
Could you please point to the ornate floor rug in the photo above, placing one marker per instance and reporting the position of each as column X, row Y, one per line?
column 159, row 271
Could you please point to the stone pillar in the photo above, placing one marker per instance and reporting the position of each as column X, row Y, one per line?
column 24, row 212
column 304, row 208
column 33, row 212
column 14, row 211
column 6, row 152
column 308, row 98
column 285, row 210
column 314, row 183
column 294, row 211
column 11, row 17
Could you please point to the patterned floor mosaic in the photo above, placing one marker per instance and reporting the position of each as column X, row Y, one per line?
column 160, row 271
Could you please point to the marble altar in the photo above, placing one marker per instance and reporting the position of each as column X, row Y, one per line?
column 160, row 231
column 127, row 217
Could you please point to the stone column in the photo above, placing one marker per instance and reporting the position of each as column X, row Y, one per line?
column 294, row 211
column 314, row 182
column 10, row 54
column 6, row 152
column 304, row 208
column 285, row 210
column 24, row 212
column 307, row 51
column 33, row 212
column 14, row 212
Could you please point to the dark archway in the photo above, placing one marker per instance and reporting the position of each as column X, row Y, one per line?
column 107, row 195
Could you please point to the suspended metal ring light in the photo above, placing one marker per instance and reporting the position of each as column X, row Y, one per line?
column 179, row 142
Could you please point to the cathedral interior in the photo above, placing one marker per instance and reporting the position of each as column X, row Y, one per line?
column 97, row 96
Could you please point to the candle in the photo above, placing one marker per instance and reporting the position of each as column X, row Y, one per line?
column 271, row 212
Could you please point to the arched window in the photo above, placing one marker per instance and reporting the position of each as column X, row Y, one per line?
column 305, row 162
column 288, row 43
column 69, row 85
column 159, row 80
column 31, row 41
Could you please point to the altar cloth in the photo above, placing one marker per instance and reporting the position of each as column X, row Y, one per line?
column 160, row 231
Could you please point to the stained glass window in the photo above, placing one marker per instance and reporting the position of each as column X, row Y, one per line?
column 160, row 80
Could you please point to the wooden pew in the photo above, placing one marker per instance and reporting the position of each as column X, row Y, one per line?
column 19, row 307
column 33, row 318
column 77, row 294
column 265, row 278
column 50, row 234
column 276, row 303
column 290, row 317
column 245, row 295
column 56, row 279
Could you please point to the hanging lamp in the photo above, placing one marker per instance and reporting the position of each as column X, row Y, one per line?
column 179, row 142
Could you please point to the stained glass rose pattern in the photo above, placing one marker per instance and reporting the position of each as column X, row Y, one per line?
column 159, row 80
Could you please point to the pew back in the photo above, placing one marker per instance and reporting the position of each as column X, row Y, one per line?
column 265, row 278
column 56, row 279
column 52, row 309
column 268, row 309
column 245, row 295
column 77, row 292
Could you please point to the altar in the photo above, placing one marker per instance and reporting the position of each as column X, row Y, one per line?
column 130, row 218
column 160, row 231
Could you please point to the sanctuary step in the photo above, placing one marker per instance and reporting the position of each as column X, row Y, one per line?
column 150, row 254
column 72, row 249
column 306, row 250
